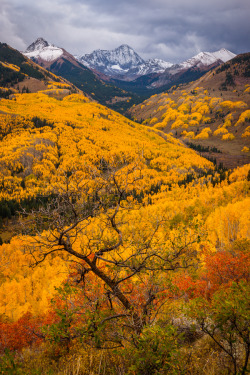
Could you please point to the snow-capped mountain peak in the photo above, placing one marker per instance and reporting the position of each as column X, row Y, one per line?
column 43, row 50
column 208, row 58
column 124, row 47
column 38, row 45
column 105, row 61
column 159, row 63
column 123, row 61
column 224, row 55
column 125, row 55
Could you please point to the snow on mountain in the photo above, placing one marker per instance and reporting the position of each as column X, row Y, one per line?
column 43, row 50
column 207, row 58
column 224, row 55
column 121, row 58
column 125, row 64
column 125, row 56
column 118, row 68
column 38, row 45
column 122, row 61
column 154, row 66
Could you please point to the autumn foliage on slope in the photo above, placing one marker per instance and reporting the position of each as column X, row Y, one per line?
column 123, row 228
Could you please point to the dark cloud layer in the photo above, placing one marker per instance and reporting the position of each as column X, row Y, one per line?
column 172, row 30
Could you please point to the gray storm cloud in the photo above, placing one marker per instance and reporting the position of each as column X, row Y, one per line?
column 171, row 30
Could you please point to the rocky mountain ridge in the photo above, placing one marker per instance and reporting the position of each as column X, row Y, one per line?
column 125, row 64
column 62, row 63
column 43, row 50
column 124, row 68
column 122, row 63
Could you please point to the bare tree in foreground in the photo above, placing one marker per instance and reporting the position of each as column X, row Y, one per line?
column 112, row 239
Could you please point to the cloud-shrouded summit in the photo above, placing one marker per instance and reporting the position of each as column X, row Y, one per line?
column 172, row 31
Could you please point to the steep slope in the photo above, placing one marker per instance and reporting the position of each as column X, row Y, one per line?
column 113, row 209
column 60, row 62
column 208, row 58
column 184, row 72
column 193, row 68
column 153, row 81
column 20, row 74
column 122, row 63
column 212, row 112
column 77, row 131
column 43, row 50
column 121, row 59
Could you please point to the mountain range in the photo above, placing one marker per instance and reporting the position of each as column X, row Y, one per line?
column 210, row 114
column 60, row 62
column 120, row 78
column 20, row 74
column 123, row 63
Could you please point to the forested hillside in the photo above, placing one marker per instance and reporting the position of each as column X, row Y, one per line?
column 19, row 74
column 123, row 251
column 211, row 114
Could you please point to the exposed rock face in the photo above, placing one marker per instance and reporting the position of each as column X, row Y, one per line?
column 122, row 63
column 41, row 49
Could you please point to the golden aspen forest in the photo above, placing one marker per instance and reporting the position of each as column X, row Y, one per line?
column 123, row 251
column 211, row 114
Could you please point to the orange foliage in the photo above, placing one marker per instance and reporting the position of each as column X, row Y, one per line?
column 20, row 334
column 221, row 270
column 225, row 267
column 189, row 287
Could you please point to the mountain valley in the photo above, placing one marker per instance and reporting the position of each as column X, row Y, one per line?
column 123, row 68
column 60, row 62
column 124, row 238
column 210, row 112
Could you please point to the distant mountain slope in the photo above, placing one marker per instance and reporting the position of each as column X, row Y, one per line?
column 41, row 48
column 122, row 63
column 120, row 78
column 62, row 63
column 192, row 68
column 121, row 58
column 127, row 70
column 68, row 135
column 208, row 58
column 18, row 73
column 210, row 113
column 185, row 72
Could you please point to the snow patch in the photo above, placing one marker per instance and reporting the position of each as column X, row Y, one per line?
column 44, row 50
column 208, row 58
column 122, row 60
column 224, row 55
column 117, row 67
column 47, row 53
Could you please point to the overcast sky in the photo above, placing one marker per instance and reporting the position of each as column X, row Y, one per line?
column 172, row 30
